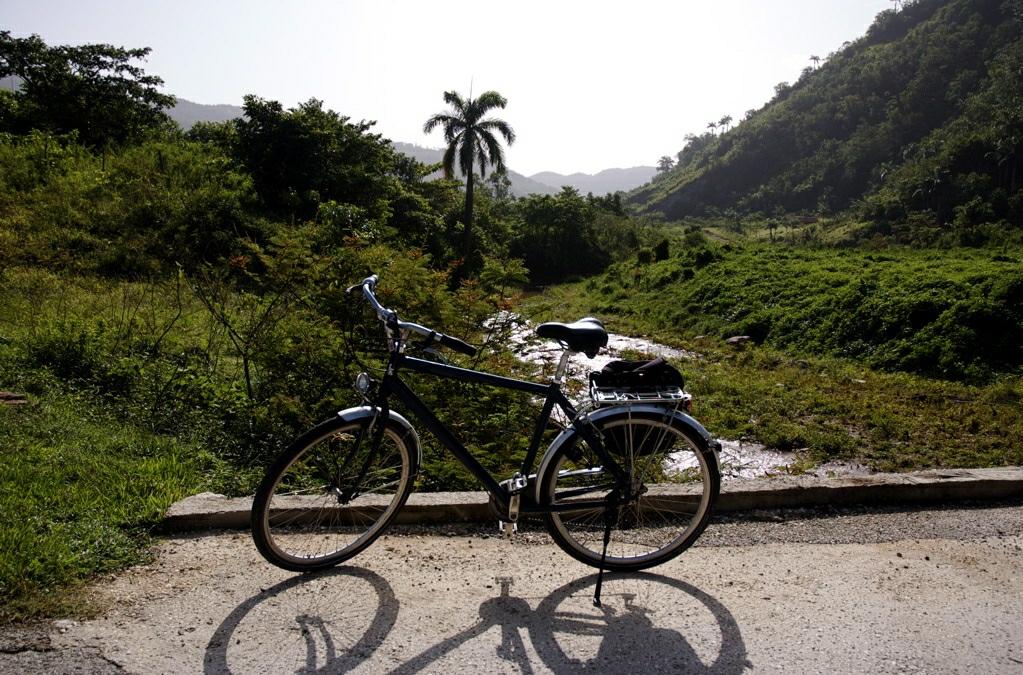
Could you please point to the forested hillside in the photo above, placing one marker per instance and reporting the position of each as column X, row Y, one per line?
column 914, row 127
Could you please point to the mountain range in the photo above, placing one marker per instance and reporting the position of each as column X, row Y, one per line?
column 186, row 113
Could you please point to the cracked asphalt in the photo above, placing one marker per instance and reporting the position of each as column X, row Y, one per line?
column 844, row 590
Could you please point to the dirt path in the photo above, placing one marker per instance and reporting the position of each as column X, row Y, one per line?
column 457, row 603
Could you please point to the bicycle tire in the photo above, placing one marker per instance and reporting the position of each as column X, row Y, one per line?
column 675, row 475
column 301, row 518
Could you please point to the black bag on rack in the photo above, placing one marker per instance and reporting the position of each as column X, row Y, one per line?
column 637, row 375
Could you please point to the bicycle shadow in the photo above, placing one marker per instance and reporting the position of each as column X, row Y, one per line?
column 322, row 622
column 637, row 629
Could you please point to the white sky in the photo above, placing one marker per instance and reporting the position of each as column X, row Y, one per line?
column 590, row 85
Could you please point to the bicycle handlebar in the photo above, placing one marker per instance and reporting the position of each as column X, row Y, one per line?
column 390, row 318
column 456, row 344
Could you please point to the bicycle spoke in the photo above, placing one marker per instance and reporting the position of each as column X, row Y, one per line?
column 654, row 518
column 308, row 526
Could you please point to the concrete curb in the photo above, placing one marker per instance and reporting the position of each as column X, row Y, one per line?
column 212, row 511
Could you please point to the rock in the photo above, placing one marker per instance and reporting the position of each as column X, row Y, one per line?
column 10, row 398
column 737, row 340
column 64, row 625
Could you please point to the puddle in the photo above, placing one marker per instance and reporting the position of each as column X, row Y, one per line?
column 739, row 460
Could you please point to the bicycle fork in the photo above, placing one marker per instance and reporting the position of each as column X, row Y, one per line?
column 375, row 431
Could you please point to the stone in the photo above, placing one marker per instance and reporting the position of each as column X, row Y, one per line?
column 10, row 398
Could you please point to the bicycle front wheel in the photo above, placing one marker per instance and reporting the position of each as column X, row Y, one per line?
column 331, row 493
column 672, row 483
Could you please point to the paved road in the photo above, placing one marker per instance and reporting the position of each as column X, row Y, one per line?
column 845, row 591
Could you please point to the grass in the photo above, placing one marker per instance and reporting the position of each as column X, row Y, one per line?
column 830, row 409
column 954, row 314
column 824, row 407
column 79, row 493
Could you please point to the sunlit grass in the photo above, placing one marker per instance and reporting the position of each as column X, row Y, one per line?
column 823, row 407
column 79, row 492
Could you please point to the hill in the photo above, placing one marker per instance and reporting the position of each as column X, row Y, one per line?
column 919, row 120
column 602, row 183
column 520, row 185
column 186, row 113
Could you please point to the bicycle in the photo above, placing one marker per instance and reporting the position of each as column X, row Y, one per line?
column 629, row 483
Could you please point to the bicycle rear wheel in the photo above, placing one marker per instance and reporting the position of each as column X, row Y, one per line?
column 673, row 483
column 330, row 494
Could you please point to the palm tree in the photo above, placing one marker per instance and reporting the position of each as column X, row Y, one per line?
column 713, row 126
column 471, row 138
column 724, row 122
column 816, row 60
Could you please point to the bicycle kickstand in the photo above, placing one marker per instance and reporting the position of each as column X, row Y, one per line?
column 603, row 554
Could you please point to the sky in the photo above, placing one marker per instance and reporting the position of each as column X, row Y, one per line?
column 590, row 85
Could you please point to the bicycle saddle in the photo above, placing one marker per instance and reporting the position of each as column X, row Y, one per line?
column 585, row 335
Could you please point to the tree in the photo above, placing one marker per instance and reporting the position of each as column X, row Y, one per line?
column 556, row 238
column 470, row 136
column 816, row 60
column 94, row 90
column 713, row 126
column 665, row 164
column 500, row 185
column 724, row 122
column 302, row 157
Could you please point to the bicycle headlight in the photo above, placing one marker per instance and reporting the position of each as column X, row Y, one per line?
column 363, row 382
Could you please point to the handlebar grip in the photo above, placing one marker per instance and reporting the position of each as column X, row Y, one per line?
column 370, row 280
column 456, row 344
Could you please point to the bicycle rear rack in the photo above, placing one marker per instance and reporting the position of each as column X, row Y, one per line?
column 670, row 395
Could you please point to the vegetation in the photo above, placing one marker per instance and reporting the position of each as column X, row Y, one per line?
column 835, row 334
column 172, row 304
column 82, row 487
column 955, row 316
column 915, row 129
column 60, row 85
column 470, row 136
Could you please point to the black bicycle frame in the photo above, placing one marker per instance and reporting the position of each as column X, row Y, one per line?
column 392, row 384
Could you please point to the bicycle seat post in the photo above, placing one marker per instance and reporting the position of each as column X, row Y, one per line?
column 559, row 374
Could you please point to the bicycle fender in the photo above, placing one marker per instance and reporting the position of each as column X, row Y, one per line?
column 679, row 417
column 408, row 432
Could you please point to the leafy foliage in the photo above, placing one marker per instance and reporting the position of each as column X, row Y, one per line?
column 95, row 91
column 471, row 136
column 920, row 116
column 307, row 155
column 954, row 316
